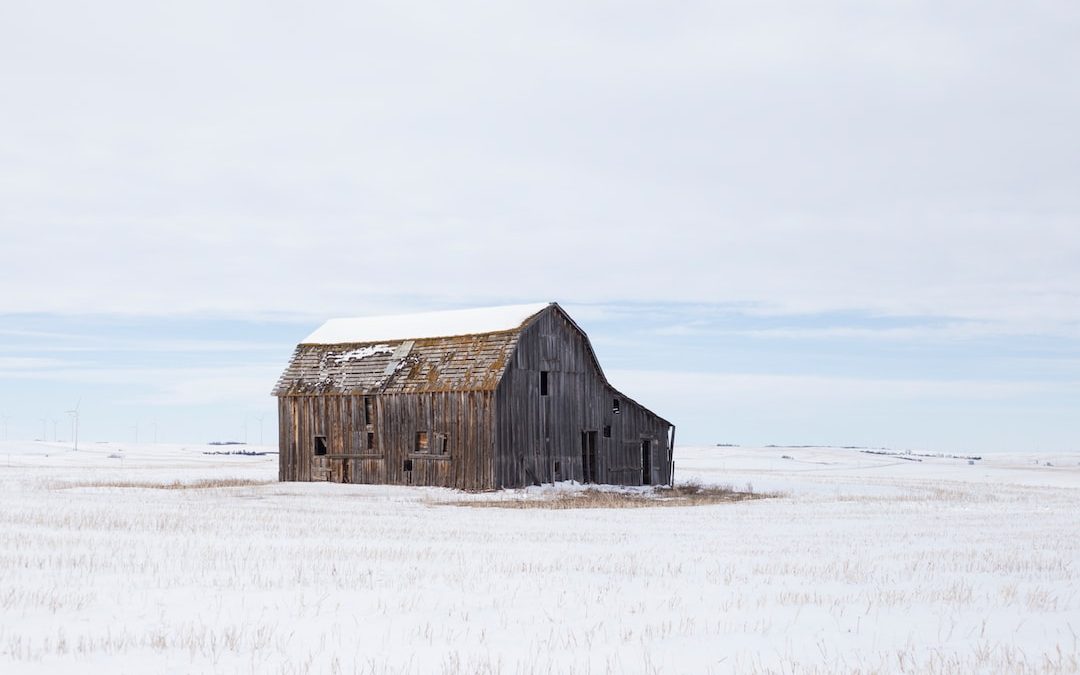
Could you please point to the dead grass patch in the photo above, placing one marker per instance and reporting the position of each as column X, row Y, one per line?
column 201, row 484
column 684, row 494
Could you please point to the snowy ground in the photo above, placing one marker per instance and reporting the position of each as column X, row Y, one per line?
column 869, row 563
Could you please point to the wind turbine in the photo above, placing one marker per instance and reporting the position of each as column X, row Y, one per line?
column 75, row 422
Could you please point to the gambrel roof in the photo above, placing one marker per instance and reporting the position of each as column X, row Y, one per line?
column 460, row 350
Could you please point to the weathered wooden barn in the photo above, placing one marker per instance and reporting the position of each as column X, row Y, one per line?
column 471, row 399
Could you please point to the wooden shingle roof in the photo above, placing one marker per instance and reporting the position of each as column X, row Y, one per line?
column 328, row 362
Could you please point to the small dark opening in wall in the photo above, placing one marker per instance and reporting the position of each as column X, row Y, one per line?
column 543, row 383
column 588, row 456
column 320, row 445
column 646, row 462
column 406, row 465
column 370, row 440
column 615, row 406
column 421, row 441
column 607, row 431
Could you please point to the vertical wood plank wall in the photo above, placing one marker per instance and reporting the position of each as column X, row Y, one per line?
column 465, row 418
column 533, row 432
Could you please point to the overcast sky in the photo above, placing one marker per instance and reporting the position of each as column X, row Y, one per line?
column 826, row 222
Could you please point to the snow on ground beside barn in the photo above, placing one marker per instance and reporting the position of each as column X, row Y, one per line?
column 108, row 564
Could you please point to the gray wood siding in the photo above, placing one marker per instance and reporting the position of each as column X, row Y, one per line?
column 534, row 432
column 502, row 433
column 465, row 418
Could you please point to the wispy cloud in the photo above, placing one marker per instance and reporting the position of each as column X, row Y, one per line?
column 162, row 386
column 720, row 387
column 246, row 386
column 21, row 364
column 44, row 334
column 100, row 345
column 853, row 326
column 902, row 412
column 780, row 173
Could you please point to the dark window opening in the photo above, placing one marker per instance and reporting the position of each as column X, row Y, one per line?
column 543, row 383
column 406, row 465
column 646, row 463
column 320, row 445
column 370, row 441
column 367, row 411
column 588, row 457
column 615, row 406
column 421, row 441
column 607, row 431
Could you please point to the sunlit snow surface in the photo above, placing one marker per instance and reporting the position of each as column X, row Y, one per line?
column 448, row 323
column 869, row 563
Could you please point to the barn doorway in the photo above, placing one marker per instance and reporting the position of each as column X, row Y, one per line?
column 646, row 462
column 342, row 471
column 588, row 456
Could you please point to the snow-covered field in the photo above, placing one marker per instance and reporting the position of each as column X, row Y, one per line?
column 869, row 563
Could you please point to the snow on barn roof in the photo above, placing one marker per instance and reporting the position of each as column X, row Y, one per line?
column 424, row 325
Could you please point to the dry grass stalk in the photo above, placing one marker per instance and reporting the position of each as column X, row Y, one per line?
column 200, row 484
column 684, row 494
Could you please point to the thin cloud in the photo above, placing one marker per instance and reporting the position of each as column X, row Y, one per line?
column 790, row 160
column 16, row 365
column 719, row 387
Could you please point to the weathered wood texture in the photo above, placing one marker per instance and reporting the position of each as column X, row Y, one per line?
column 463, row 363
column 539, row 437
column 382, row 449
column 479, row 401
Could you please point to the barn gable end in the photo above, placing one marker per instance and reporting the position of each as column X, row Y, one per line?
column 557, row 417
